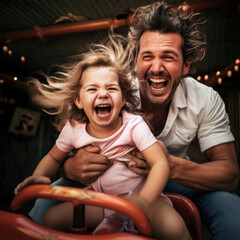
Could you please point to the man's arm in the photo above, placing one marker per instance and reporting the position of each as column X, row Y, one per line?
column 221, row 172
column 86, row 165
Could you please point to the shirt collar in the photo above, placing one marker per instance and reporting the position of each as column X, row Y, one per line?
column 179, row 98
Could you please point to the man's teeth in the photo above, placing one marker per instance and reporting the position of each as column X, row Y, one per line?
column 157, row 80
column 159, row 89
column 158, row 84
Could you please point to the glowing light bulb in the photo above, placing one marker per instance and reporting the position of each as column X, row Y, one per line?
column 236, row 68
column 15, row 78
column 237, row 61
column 229, row 73
column 219, row 80
column 218, row 73
column 5, row 48
column 199, row 78
column 23, row 59
column 206, row 77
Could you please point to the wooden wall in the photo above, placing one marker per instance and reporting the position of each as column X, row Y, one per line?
column 19, row 154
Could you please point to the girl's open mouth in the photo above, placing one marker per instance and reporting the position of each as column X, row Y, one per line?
column 103, row 110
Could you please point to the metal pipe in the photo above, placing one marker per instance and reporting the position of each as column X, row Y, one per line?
column 94, row 25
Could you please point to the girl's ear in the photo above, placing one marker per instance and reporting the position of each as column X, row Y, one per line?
column 123, row 101
column 78, row 103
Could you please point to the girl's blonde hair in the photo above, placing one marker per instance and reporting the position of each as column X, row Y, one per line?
column 58, row 95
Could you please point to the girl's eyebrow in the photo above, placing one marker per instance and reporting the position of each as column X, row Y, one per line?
column 96, row 85
column 88, row 85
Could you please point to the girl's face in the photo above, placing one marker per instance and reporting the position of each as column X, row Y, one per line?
column 101, row 98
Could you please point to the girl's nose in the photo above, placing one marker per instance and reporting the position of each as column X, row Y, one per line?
column 103, row 93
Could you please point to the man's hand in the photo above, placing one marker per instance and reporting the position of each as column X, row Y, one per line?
column 86, row 165
column 141, row 166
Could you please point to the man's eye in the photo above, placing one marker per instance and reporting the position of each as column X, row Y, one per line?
column 147, row 57
column 168, row 58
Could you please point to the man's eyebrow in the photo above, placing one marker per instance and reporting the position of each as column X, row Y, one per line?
column 171, row 52
column 146, row 52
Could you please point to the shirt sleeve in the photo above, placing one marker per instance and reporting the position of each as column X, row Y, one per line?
column 65, row 139
column 142, row 135
column 214, row 126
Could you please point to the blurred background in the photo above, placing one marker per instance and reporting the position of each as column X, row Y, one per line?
column 37, row 34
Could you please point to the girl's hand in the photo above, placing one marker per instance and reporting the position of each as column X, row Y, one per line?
column 32, row 180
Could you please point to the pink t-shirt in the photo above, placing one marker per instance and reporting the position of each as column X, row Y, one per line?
column 134, row 133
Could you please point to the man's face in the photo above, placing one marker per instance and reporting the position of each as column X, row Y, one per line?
column 159, row 66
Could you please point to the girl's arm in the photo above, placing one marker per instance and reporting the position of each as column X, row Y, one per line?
column 49, row 165
column 47, row 168
column 158, row 175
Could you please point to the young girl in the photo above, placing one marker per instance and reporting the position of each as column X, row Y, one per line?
column 96, row 105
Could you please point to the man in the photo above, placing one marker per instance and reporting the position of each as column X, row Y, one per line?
column 182, row 108
column 166, row 45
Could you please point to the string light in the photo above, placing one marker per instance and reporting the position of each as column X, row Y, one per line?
column 219, row 75
column 23, row 59
column 185, row 7
column 229, row 73
column 15, row 78
column 5, row 48
column 236, row 68
column 10, row 52
column 219, row 80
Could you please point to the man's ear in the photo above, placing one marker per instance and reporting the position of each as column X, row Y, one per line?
column 186, row 67
column 78, row 103
column 135, row 64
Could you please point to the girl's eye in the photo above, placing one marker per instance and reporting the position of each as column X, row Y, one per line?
column 112, row 89
column 91, row 89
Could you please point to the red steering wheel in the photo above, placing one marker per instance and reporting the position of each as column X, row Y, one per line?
column 80, row 197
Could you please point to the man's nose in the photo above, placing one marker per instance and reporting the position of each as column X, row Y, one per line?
column 157, row 66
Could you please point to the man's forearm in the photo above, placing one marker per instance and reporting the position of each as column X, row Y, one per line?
column 208, row 176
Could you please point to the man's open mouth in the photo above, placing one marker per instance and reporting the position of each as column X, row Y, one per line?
column 158, row 84
column 103, row 109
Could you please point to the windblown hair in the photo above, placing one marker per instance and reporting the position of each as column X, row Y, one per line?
column 58, row 95
column 160, row 17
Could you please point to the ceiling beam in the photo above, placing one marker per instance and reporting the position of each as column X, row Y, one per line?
column 94, row 25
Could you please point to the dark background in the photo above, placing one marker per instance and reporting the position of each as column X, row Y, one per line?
column 28, row 28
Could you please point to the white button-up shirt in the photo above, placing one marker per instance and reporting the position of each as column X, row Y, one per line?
column 196, row 110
